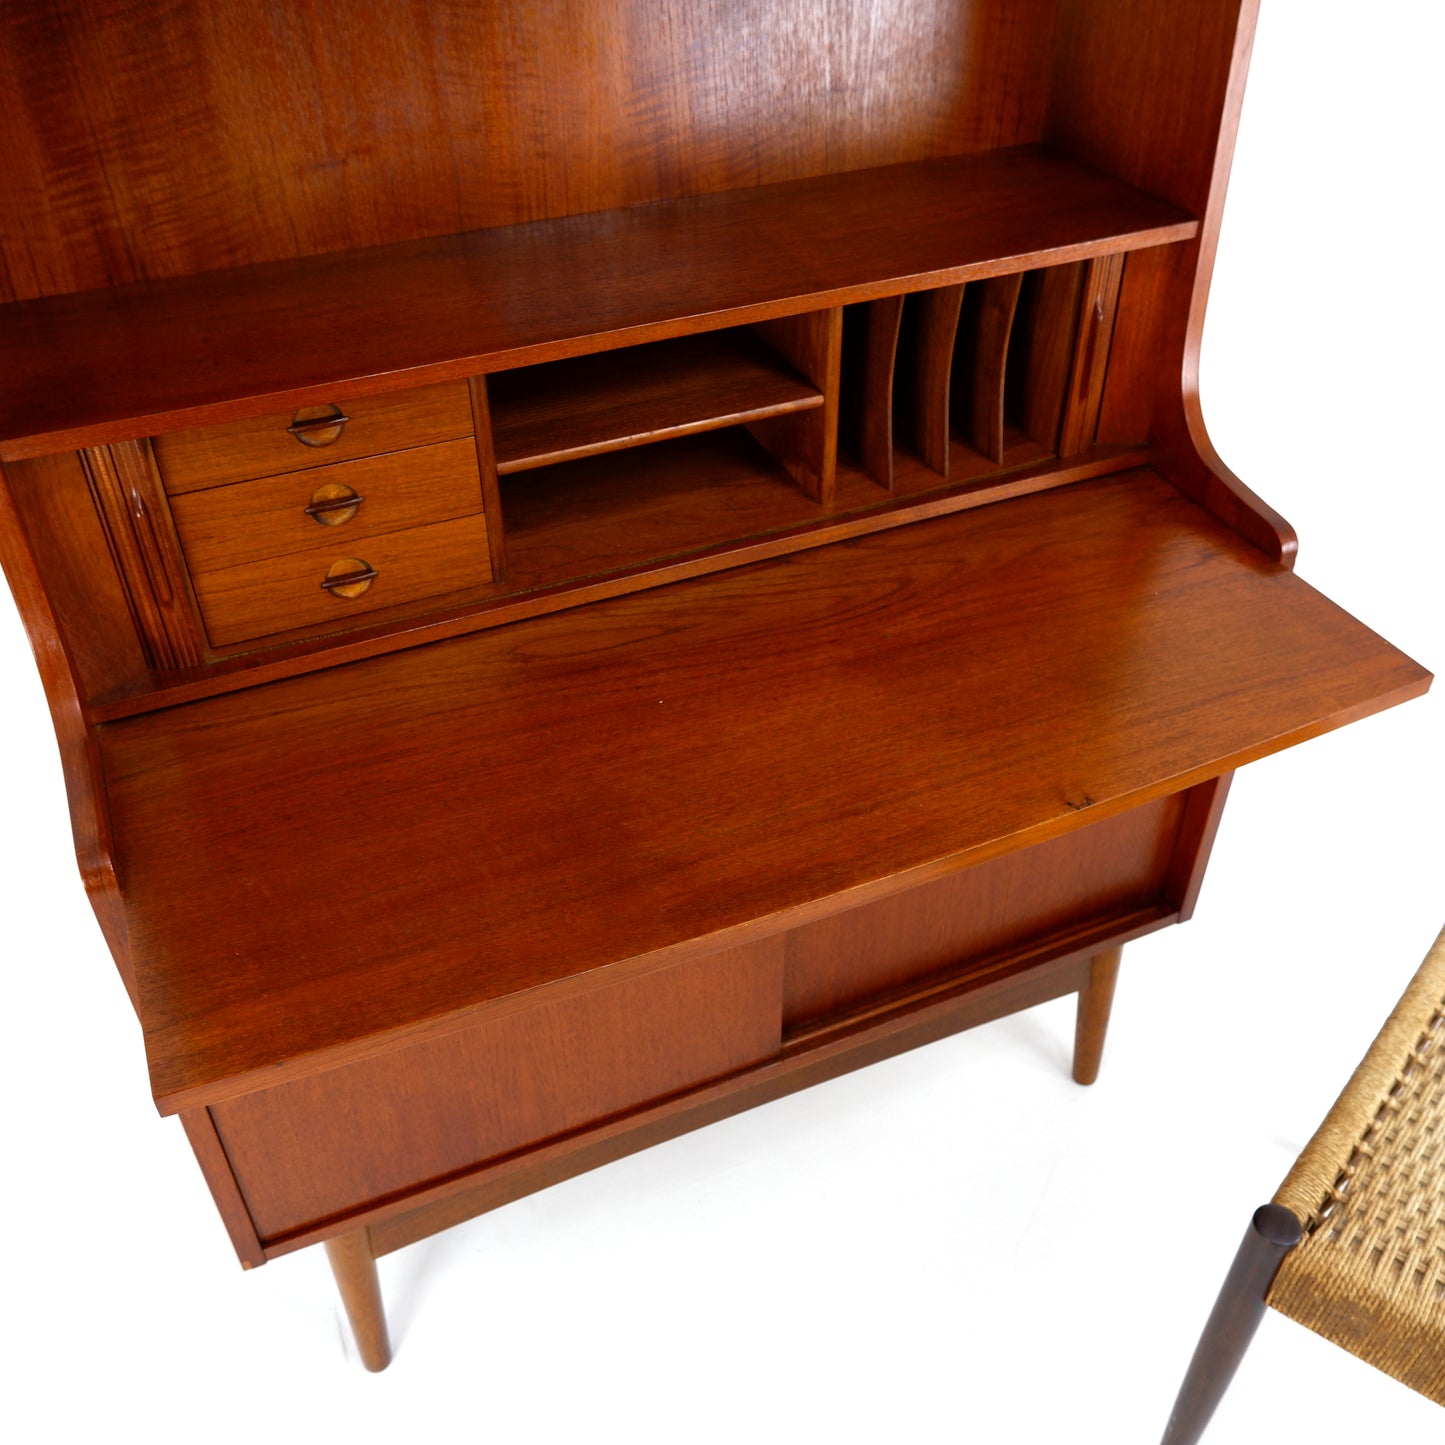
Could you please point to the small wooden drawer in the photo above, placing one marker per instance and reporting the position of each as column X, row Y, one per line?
column 291, row 441
column 337, row 506
column 256, row 599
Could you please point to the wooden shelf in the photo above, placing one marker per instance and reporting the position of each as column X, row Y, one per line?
column 723, row 754
column 606, row 514
column 616, row 514
column 102, row 366
column 563, row 410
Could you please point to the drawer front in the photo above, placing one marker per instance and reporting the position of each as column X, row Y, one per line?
column 389, row 1125
column 292, row 441
column 243, row 603
column 348, row 501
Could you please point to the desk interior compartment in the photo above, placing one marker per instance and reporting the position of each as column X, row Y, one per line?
column 980, row 377
column 596, row 472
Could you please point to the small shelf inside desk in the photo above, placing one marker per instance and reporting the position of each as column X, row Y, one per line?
column 563, row 410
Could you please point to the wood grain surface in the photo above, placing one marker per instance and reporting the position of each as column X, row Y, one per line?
column 329, row 1144
column 1151, row 92
column 1090, row 364
column 130, row 502
column 1117, row 866
column 57, row 517
column 696, row 524
column 414, row 934
column 147, row 140
column 806, row 441
column 725, row 754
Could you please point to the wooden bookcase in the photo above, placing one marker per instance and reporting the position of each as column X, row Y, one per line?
column 561, row 631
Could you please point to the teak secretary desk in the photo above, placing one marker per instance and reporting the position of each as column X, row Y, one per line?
column 597, row 563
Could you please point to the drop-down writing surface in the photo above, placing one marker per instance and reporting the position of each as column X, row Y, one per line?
column 318, row 866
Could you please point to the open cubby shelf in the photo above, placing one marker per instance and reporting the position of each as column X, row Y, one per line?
column 618, row 513
column 563, row 410
column 613, row 512
column 951, row 384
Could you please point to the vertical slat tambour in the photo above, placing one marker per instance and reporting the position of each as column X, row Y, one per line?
column 875, row 403
column 1098, row 307
column 487, row 470
column 132, row 507
column 937, row 330
column 806, row 442
column 987, row 339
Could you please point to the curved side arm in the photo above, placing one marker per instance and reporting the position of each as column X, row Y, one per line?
column 1150, row 91
column 79, row 754
column 1189, row 458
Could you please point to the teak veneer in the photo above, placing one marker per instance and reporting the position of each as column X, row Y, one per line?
column 561, row 629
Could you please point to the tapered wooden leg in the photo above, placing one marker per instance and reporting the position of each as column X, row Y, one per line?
column 1096, row 999
column 354, row 1266
column 1272, row 1233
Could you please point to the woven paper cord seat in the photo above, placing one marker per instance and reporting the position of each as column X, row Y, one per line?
column 1370, row 1192
column 1353, row 1244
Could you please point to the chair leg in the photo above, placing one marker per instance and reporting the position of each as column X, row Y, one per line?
column 1272, row 1233
column 1096, row 999
column 354, row 1266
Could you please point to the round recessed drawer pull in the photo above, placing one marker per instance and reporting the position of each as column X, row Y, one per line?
column 350, row 577
column 318, row 426
column 333, row 503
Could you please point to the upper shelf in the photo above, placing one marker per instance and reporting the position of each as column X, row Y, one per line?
column 101, row 366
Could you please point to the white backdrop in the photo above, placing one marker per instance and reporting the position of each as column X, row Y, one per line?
column 959, row 1244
